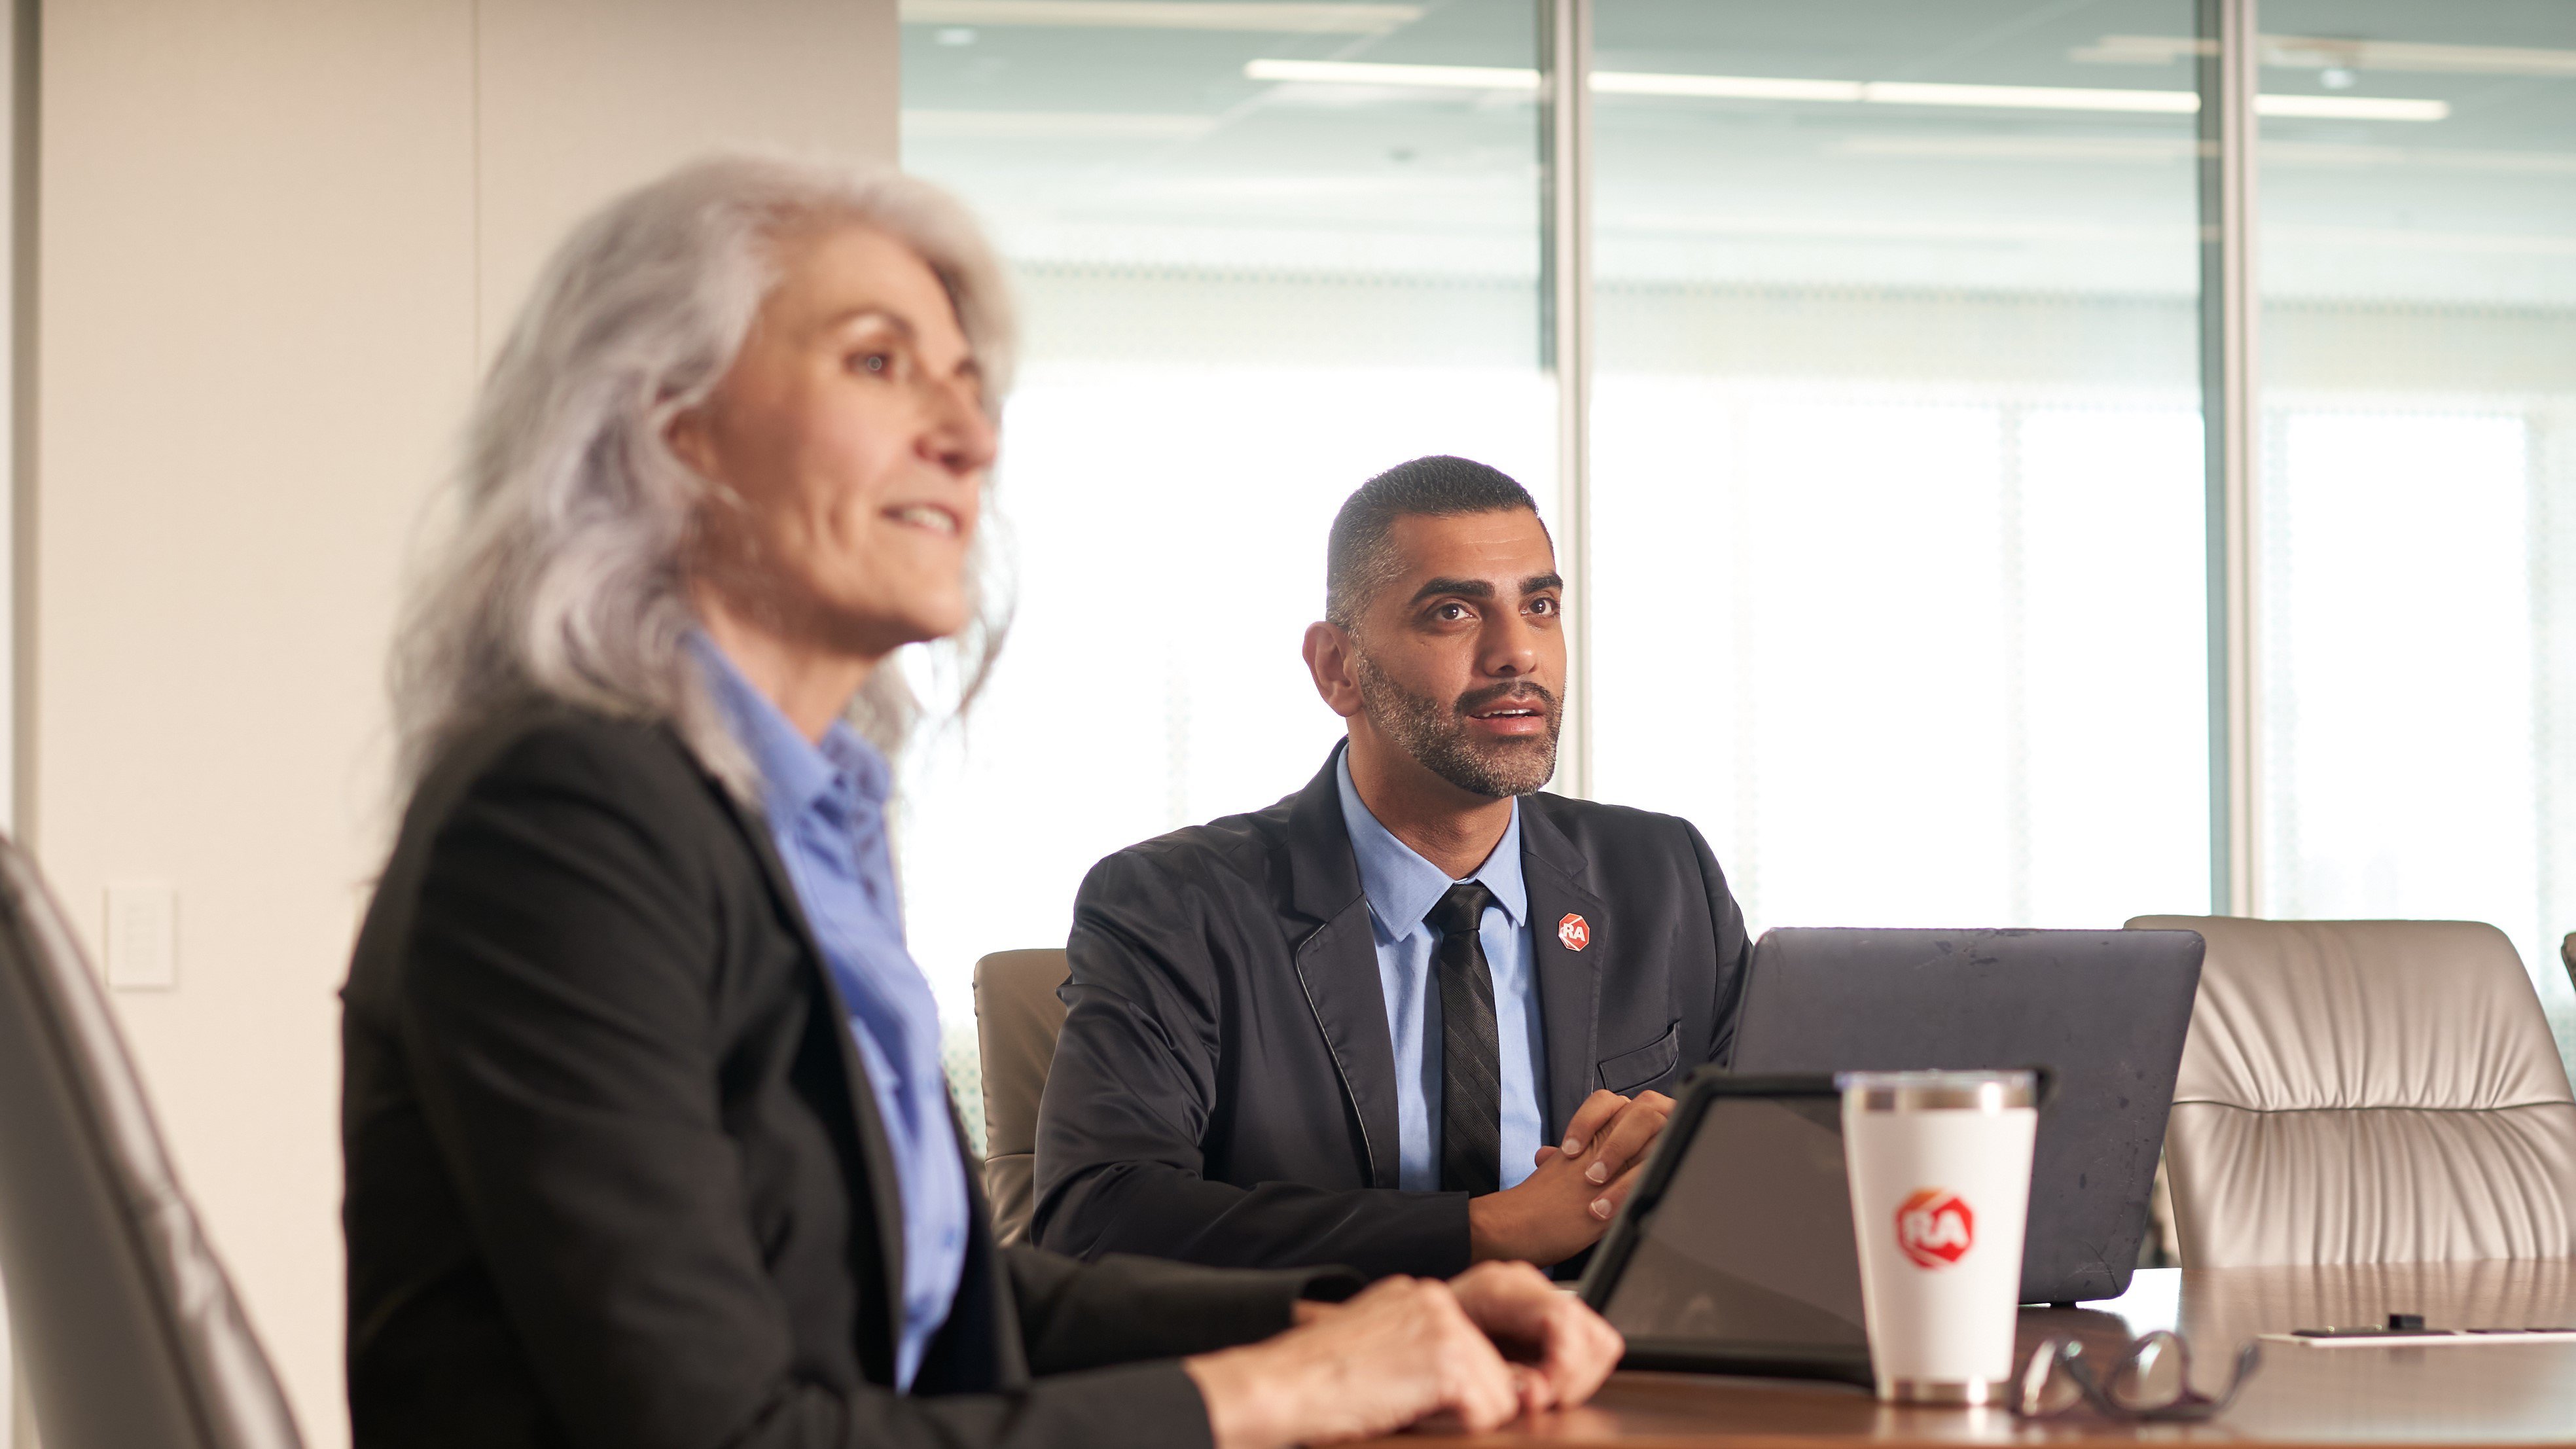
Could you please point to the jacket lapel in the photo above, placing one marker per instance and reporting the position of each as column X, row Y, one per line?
column 1337, row 965
column 885, row 1192
column 979, row 1349
column 1569, row 981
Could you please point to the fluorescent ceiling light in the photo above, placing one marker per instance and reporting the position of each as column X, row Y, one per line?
column 1419, row 77
column 2176, row 150
column 2144, row 150
column 1790, row 88
column 1053, row 126
column 2351, row 108
column 1730, row 87
column 1300, row 19
column 2029, row 98
column 2321, row 52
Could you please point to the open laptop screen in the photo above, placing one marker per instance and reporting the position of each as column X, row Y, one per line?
column 2104, row 1012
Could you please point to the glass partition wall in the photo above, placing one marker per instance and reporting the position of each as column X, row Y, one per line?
column 1896, row 501
column 1897, row 447
column 2416, row 531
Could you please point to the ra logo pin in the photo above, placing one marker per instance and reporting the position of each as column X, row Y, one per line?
column 1574, row 931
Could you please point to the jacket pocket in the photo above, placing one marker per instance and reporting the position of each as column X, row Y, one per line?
column 1628, row 1071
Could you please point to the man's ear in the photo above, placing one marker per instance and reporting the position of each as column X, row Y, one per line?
column 1331, row 658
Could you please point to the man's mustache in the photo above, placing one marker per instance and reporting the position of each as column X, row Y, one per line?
column 1476, row 699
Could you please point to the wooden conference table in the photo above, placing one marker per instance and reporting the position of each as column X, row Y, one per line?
column 2487, row 1394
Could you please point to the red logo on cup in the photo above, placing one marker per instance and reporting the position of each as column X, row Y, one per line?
column 1574, row 931
column 1935, row 1227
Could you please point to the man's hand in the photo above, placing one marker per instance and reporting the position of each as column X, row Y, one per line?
column 1569, row 1347
column 1565, row 1205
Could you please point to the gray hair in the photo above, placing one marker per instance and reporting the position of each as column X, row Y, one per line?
column 563, row 575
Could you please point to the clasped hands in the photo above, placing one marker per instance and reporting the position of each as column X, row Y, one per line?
column 1565, row 1205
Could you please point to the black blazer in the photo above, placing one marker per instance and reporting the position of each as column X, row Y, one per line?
column 615, row 1177
column 1224, row 1091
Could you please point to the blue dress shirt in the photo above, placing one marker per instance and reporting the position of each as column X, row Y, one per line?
column 1402, row 888
column 826, row 811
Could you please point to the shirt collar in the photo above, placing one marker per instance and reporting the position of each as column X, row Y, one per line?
column 1402, row 887
column 797, row 775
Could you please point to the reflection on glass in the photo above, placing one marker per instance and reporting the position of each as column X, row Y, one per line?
column 1897, row 494
column 2416, row 525
column 1244, row 295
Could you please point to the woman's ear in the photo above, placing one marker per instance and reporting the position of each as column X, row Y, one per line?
column 691, row 440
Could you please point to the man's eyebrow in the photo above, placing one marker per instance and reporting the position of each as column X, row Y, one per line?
column 1463, row 588
column 1541, row 583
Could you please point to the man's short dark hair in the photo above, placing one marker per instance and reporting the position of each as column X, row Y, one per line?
column 1360, row 559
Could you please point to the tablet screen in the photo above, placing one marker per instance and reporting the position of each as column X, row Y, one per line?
column 1751, row 1242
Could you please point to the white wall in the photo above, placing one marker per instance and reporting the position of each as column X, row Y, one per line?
column 277, row 239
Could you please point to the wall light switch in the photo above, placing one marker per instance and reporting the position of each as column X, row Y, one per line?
column 142, row 937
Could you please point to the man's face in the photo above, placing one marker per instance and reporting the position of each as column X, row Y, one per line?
column 1460, row 657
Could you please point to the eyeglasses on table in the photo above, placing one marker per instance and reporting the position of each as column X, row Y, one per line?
column 2149, row 1381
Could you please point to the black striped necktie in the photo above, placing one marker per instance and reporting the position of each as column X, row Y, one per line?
column 1471, row 1060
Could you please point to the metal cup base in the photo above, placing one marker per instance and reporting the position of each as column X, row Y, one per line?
column 1942, row 1393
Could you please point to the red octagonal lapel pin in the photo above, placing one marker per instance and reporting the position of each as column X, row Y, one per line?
column 1574, row 931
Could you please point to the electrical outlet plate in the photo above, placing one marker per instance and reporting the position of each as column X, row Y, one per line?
column 142, row 936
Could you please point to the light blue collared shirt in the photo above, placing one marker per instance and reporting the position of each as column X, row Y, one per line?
column 826, row 811
column 1402, row 888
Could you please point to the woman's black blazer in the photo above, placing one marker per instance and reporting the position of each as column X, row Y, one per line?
column 615, row 1176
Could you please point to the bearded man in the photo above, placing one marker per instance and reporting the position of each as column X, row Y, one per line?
column 1415, row 1015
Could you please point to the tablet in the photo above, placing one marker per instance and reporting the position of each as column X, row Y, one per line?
column 1734, row 1253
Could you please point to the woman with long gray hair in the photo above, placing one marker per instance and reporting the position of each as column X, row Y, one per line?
column 648, row 1142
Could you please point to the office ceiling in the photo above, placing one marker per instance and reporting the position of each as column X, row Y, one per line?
column 1920, row 144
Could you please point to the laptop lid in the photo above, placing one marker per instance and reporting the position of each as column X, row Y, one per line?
column 1734, row 1252
column 2105, row 1011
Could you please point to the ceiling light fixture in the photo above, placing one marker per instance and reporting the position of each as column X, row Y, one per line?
column 1411, row 77
column 1883, row 93
column 1278, row 18
column 2322, row 52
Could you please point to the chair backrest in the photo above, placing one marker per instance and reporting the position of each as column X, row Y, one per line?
column 1017, row 1016
column 127, row 1330
column 2367, row 1092
column 2567, row 956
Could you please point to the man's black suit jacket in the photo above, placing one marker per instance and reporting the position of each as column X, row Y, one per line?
column 615, row 1175
column 1224, row 1090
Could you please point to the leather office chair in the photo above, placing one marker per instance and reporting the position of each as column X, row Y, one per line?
column 2367, row 1092
column 1017, row 1016
column 126, row 1326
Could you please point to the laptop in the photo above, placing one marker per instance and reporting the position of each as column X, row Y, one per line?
column 2103, row 1011
column 1734, row 1252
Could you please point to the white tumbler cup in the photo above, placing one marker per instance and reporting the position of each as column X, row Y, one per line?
column 1940, row 1187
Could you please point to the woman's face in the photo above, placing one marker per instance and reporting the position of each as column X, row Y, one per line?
column 847, row 445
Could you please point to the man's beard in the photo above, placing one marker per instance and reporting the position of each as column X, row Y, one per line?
column 1439, row 736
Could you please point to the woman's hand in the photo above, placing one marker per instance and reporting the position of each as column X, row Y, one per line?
column 1404, row 1349
column 1570, row 1348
